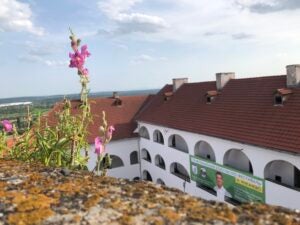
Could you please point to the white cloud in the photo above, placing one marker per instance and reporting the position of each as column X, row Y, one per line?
column 268, row 6
column 40, row 53
column 17, row 16
column 146, row 58
column 37, row 58
column 128, row 22
column 112, row 8
column 193, row 21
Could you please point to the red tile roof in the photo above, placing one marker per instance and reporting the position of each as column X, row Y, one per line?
column 243, row 111
column 122, row 117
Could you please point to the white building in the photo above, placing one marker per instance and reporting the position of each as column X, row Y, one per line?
column 247, row 127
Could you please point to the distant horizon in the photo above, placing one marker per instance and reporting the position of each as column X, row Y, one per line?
column 91, row 93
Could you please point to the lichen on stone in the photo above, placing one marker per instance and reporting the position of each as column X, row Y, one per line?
column 43, row 195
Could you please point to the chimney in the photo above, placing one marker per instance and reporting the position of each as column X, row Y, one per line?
column 223, row 78
column 115, row 95
column 293, row 75
column 178, row 82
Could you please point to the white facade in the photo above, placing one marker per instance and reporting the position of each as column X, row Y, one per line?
column 222, row 152
column 163, row 164
column 122, row 149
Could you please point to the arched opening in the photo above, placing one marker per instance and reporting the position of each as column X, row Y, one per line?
column 177, row 142
column 145, row 155
column 158, row 137
column 136, row 179
column 147, row 176
column 160, row 181
column 116, row 162
column 283, row 173
column 204, row 150
column 160, row 162
column 178, row 170
column 237, row 159
column 143, row 132
column 134, row 159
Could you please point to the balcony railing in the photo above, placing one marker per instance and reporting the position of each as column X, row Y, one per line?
column 284, row 185
column 147, row 159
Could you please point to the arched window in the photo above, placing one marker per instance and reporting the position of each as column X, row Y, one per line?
column 160, row 162
column 145, row 155
column 177, row 142
column 237, row 159
column 147, row 176
column 116, row 162
column 158, row 137
column 134, row 159
column 178, row 170
column 143, row 132
column 283, row 173
column 160, row 181
column 204, row 150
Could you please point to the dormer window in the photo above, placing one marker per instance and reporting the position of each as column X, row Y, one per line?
column 208, row 99
column 278, row 100
column 210, row 96
column 281, row 95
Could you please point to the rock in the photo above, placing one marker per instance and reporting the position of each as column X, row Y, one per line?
column 65, row 172
column 34, row 194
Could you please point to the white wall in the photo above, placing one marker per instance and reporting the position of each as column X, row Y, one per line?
column 258, row 156
column 282, row 196
column 121, row 148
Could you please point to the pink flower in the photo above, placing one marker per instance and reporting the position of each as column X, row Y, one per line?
column 77, row 60
column 84, row 52
column 110, row 131
column 7, row 126
column 99, row 148
column 85, row 72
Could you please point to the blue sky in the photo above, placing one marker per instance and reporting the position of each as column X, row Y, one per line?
column 141, row 44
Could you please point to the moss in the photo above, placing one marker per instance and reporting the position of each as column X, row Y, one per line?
column 92, row 201
column 170, row 215
column 30, row 218
column 126, row 220
column 44, row 192
column 32, row 202
column 154, row 220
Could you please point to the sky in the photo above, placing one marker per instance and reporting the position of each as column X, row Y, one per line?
column 143, row 44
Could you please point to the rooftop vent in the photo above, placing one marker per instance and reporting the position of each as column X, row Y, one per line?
column 222, row 79
column 210, row 96
column 168, row 95
column 118, row 101
column 115, row 95
column 293, row 75
column 178, row 82
column 281, row 95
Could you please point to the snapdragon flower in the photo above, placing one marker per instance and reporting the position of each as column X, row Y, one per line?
column 7, row 126
column 99, row 148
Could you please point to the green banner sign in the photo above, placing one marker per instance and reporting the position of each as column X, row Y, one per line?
column 227, row 183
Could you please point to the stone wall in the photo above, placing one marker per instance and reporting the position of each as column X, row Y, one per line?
column 33, row 194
